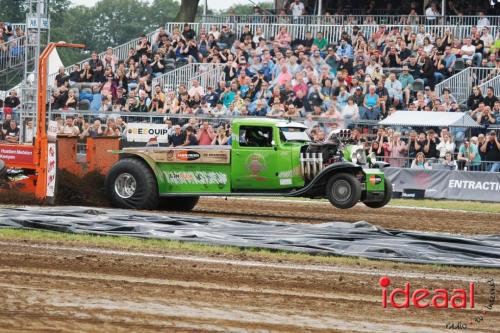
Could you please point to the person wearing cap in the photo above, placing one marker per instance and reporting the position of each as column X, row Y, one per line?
column 211, row 97
column 345, row 65
column 406, row 80
column 468, row 156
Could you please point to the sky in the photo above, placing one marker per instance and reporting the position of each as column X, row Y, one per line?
column 213, row 4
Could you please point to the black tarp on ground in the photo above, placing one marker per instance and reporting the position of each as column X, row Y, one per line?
column 359, row 239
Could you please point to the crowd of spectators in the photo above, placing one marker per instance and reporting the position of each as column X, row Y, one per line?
column 11, row 44
column 297, row 11
column 328, row 84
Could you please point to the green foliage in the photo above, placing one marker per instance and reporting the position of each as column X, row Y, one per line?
column 14, row 11
column 247, row 9
column 109, row 23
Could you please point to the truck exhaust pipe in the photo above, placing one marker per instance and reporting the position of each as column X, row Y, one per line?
column 310, row 164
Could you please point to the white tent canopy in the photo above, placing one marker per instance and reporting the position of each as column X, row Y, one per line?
column 430, row 119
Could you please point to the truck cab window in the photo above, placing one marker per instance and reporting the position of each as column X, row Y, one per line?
column 256, row 136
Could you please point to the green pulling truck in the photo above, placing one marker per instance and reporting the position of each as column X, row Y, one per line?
column 266, row 157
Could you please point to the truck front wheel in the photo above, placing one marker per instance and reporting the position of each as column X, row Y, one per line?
column 181, row 204
column 387, row 196
column 343, row 190
column 131, row 184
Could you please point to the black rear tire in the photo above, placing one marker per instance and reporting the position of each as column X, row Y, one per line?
column 181, row 204
column 343, row 190
column 131, row 184
column 387, row 196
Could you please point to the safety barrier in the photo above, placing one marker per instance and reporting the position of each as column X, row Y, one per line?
column 444, row 184
column 331, row 32
column 461, row 83
column 494, row 82
column 354, row 19
column 206, row 74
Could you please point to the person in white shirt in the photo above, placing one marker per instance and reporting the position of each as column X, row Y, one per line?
column 483, row 21
column 297, row 8
column 395, row 89
column 196, row 89
column 487, row 39
column 469, row 53
column 432, row 13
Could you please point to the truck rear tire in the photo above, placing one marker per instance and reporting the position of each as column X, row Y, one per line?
column 131, row 184
column 181, row 204
column 343, row 190
column 387, row 196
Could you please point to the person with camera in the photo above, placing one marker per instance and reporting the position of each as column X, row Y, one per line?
column 396, row 149
column 430, row 145
column 206, row 134
column 491, row 149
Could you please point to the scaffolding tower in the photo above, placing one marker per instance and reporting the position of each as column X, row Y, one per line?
column 37, row 38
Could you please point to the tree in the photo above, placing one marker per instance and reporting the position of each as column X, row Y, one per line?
column 14, row 11
column 187, row 11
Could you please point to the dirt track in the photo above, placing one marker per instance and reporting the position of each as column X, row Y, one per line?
column 62, row 288
column 319, row 212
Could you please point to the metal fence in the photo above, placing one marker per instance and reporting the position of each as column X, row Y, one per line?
column 22, row 26
column 331, row 32
column 493, row 82
column 12, row 53
column 120, row 51
column 354, row 19
column 206, row 74
column 183, row 120
column 461, row 83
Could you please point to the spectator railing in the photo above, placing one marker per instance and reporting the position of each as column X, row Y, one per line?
column 18, row 25
column 12, row 53
column 206, row 74
column 120, row 51
column 183, row 120
column 352, row 19
column 493, row 82
column 461, row 83
column 330, row 31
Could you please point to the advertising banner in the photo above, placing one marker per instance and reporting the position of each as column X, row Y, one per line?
column 51, row 169
column 16, row 154
column 193, row 155
column 142, row 132
column 445, row 184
